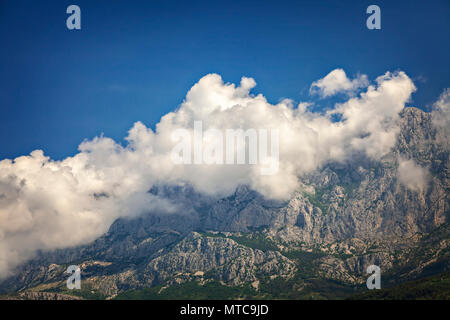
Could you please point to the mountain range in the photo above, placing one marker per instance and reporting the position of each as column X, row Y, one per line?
column 318, row 244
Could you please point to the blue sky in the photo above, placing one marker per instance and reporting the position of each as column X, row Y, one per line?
column 135, row 60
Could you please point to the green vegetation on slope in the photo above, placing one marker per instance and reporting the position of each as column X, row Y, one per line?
column 316, row 199
column 256, row 241
column 191, row 291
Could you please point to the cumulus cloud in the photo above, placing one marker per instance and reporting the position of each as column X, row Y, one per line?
column 412, row 175
column 47, row 204
column 337, row 82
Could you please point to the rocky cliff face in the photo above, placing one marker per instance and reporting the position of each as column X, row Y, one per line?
column 222, row 257
column 342, row 219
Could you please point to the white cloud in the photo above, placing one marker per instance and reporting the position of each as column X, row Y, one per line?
column 46, row 204
column 412, row 175
column 441, row 116
column 337, row 82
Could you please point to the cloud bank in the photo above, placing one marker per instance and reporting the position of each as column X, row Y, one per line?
column 47, row 204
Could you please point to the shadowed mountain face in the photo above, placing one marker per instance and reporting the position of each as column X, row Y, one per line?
column 393, row 213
